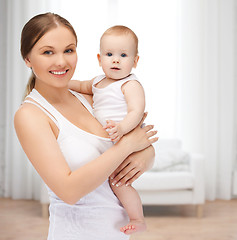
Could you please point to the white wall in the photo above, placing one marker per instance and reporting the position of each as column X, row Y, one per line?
column 190, row 92
column 2, row 91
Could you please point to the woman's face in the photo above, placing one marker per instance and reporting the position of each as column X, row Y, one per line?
column 53, row 59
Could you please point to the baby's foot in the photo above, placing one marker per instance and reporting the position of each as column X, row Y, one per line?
column 133, row 226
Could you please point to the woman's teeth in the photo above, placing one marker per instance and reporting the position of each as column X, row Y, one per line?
column 58, row 73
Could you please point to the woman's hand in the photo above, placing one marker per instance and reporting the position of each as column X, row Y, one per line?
column 133, row 167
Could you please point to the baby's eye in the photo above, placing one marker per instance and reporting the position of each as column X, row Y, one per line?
column 123, row 55
column 109, row 54
column 69, row 51
column 48, row 52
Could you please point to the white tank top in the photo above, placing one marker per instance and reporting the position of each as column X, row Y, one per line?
column 98, row 215
column 109, row 102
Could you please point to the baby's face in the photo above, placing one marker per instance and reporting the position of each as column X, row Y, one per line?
column 117, row 55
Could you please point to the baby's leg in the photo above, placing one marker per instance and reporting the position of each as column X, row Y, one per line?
column 131, row 201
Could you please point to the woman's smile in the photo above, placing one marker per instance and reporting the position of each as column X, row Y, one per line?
column 60, row 73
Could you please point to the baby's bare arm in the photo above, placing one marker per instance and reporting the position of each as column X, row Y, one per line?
column 81, row 86
column 135, row 98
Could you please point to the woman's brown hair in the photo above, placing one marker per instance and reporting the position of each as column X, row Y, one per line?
column 35, row 29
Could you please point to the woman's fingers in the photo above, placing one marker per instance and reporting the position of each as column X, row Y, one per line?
column 153, row 140
column 135, row 177
column 151, row 133
column 127, row 178
column 118, row 177
column 148, row 127
column 128, row 172
column 124, row 164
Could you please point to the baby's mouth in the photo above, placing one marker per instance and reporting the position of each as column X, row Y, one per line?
column 115, row 68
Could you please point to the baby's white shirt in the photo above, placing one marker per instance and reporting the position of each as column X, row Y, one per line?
column 109, row 102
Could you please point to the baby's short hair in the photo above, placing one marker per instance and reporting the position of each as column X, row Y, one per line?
column 121, row 30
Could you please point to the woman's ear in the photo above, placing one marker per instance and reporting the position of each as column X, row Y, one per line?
column 27, row 62
column 135, row 61
column 99, row 59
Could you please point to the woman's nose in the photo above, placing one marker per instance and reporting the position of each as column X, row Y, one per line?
column 61, row 60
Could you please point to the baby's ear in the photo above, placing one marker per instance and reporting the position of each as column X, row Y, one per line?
column 135, row 61
column 99, row 59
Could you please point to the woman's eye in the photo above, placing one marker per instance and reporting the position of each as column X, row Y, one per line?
column 123, row 55
column 109, row 54
column 69, row 51
column 48, row 52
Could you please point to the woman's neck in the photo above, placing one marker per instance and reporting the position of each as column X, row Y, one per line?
column 52, row 94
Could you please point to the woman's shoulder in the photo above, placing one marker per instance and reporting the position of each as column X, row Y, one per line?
column 24, row 109
column 27, row 113
column 31, row 122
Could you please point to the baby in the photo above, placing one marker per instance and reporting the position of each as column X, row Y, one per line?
column 118, row 104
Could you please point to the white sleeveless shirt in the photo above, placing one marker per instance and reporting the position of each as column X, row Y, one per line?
column 109, row 102
column 99, row 214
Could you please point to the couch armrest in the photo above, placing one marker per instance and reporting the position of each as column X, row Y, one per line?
column 197, row 168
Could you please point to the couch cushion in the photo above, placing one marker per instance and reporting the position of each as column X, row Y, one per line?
column 171, row 160
column 164, row 181
column 169, row 156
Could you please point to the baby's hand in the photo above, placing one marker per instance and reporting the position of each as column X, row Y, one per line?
column 114, row 130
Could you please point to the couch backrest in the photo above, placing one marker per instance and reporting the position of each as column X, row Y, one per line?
column 170, row 156
column 166, row 143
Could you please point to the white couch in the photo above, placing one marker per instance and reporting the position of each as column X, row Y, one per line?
column 176, row 178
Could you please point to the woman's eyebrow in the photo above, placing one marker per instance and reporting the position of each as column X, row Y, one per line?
column 72, row 44
column 46, row 47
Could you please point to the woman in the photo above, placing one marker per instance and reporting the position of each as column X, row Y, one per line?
column 66, row 144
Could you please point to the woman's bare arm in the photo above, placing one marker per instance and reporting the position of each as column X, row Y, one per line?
column 40, row 145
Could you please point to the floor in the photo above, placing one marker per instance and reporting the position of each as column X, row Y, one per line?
column 21, row 220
